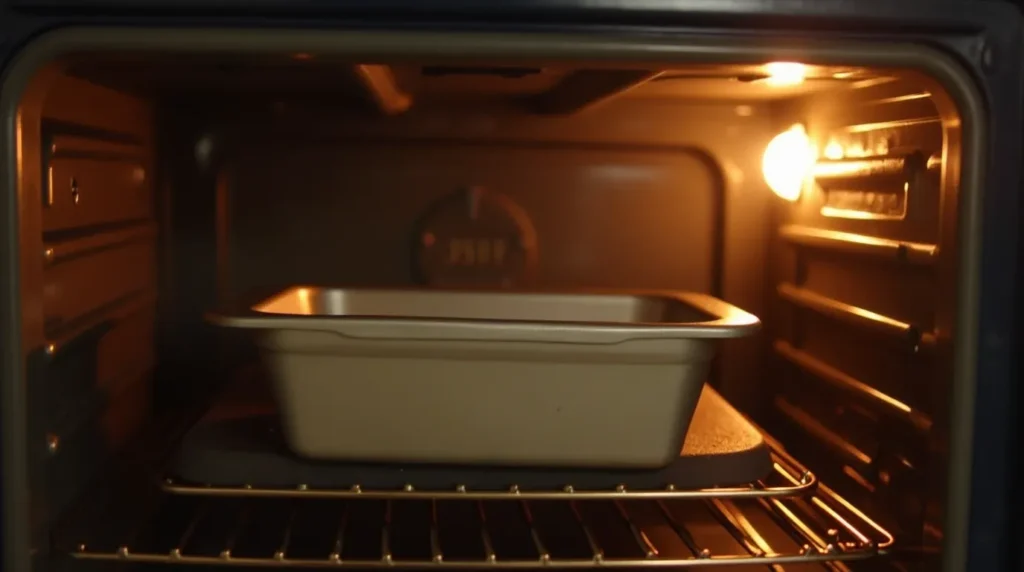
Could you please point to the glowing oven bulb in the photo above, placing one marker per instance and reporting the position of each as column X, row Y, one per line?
column 788, row 161
column 785, row 73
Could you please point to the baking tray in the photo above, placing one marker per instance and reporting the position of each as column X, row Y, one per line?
column 594, row 379
column 246, row 451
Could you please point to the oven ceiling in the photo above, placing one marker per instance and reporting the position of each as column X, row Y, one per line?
column 394, row 88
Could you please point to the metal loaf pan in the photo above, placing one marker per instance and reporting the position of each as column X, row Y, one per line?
column 596, row 379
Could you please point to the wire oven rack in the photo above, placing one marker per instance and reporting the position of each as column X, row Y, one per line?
column 788, row 478
column 518, row 534
column 786, row 518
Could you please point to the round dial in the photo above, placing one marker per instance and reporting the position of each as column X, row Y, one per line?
column 475, row 238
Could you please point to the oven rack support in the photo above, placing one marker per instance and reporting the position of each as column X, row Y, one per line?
column 788, row 479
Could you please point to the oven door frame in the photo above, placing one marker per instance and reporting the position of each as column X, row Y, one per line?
column 985, row 37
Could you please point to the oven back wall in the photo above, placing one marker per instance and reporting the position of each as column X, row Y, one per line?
column 613, row 218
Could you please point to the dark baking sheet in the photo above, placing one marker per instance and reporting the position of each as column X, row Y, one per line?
column 245, row 448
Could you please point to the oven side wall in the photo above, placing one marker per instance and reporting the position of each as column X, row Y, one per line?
column 863, row 281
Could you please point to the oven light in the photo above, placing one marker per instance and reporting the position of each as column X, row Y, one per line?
column 785, row 73
column 787, row 162
column 834, row 151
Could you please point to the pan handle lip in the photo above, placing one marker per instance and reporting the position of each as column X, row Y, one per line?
column 724, row 321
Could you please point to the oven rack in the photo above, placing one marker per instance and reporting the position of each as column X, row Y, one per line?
column 520, row 534
column 787, row 479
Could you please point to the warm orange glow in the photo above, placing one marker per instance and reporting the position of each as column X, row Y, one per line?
column 785, row 73
column 305, row 304
column 788, row 161
column 834, row 151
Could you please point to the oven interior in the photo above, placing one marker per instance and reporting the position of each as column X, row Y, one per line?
column 156, row 188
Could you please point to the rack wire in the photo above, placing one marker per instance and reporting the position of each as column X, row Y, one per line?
column 788, row 478
column 514, row 534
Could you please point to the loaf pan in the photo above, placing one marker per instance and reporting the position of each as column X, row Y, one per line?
column 595, row 379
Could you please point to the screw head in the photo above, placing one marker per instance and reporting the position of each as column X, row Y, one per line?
column 988, row 56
